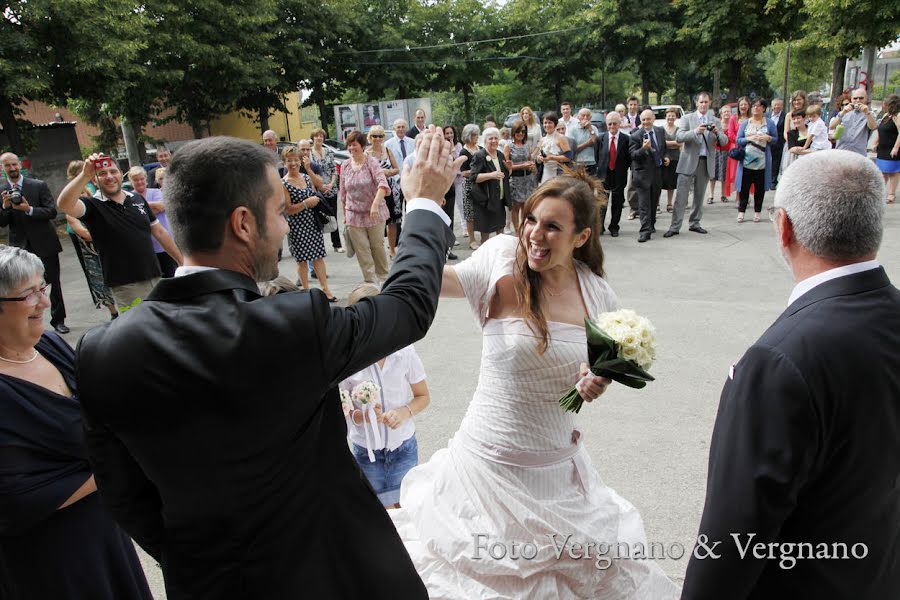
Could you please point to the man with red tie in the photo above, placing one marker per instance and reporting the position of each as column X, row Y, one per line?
column 613, row 162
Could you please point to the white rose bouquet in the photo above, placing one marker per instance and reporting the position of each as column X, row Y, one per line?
column 621, row 346
column 365, row 396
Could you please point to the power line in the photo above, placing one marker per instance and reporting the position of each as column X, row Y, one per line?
column 455, row 44
column 454, row 60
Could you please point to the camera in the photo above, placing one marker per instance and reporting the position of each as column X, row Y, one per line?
column 15, row 196
column 103, row 162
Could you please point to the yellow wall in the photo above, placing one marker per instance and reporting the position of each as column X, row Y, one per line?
column 237, row 125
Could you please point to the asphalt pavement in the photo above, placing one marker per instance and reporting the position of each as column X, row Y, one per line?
column 710, row 296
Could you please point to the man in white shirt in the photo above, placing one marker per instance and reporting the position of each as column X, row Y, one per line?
column 631, row 120
column 805, row 446
column 567, row 119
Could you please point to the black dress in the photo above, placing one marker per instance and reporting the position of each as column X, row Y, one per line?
column 77, row 553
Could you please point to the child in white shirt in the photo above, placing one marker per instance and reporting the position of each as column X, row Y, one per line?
column 817, row 138
column 396, row 375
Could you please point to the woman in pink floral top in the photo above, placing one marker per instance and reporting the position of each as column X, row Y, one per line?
column 362, row 191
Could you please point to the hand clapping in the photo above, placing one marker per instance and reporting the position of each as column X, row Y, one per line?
column 434, row 169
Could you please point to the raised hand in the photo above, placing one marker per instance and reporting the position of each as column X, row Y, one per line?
column 434, row 169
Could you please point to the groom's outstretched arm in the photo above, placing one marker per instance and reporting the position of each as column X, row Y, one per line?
column 764, row 444
column 355, row 337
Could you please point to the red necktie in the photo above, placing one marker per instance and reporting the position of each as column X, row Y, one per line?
column 612, row 155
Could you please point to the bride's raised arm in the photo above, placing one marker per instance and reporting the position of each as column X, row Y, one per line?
column 451, row 286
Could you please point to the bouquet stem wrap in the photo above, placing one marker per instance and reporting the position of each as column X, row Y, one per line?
column 621, row 348
column 365, row 395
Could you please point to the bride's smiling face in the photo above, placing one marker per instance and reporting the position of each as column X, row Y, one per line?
column 549, row 236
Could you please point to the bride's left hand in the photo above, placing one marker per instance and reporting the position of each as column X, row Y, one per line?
column 590, row 386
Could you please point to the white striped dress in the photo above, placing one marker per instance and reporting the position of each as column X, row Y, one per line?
column 516, row 470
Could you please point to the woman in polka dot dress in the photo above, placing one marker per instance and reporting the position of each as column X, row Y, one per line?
column 304, row 236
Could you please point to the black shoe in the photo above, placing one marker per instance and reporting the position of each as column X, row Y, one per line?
column 698, row 229
column 451, row 256
column 653, row 230
column 645, row 237
column 614, row 233
column 670, row 233
column 61, row 328
column 333, row 299
column 602, row 232
column 313, row 274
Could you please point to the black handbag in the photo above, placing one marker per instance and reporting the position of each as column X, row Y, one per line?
column 737, row 153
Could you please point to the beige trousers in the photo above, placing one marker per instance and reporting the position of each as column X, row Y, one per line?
column 368, row 243
column 126, row 295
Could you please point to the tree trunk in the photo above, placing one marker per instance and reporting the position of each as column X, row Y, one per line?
column 324, row 114
column 557, row 91
column 263, row 117
column 402, row 92
column 645, row 88
column 11, row 126
column 197, row 128
column 837, row 78
column 734, row 85
column 131, row 146
column 467, row 101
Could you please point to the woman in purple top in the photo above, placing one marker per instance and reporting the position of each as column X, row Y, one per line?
column 154, row 197
column 363, row 188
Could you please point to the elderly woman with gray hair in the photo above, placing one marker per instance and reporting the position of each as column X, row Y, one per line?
column 56, row 538
column 489, row 182
column 470, row 135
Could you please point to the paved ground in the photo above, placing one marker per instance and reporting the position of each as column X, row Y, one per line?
column 710, row 296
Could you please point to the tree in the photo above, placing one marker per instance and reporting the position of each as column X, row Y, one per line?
column 845, row 27
column 810, row 68
column 552, row 61
column 457, row 65
column 730, row 38
column 53, row 50
column 642, row 35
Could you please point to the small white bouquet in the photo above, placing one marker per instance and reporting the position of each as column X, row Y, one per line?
column 365, row 396
column 621, row 346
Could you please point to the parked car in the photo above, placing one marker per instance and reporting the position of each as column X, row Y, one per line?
column 513, row 117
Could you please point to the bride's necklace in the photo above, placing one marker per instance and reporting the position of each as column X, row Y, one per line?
column 20, row 362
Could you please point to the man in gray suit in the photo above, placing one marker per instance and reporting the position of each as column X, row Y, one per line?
column 698, row 131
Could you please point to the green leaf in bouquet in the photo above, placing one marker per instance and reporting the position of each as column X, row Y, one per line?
column 600, row 345
column 621, row 366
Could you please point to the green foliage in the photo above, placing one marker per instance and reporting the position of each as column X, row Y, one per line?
column 810, row 67
column 845, row 27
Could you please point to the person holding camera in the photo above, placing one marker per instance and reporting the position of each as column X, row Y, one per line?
column 122, row 225
column 699, row 132
column 858, row 122
column 28, row 210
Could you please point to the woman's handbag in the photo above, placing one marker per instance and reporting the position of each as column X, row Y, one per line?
column 737, row 153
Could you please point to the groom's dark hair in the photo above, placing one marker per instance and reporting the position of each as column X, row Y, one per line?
column 207, row 180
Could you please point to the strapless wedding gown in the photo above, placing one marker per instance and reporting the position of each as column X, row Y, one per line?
column 516, row 473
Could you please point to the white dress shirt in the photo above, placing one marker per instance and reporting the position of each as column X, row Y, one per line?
column 816, row 280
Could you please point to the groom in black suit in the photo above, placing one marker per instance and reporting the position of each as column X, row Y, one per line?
column 212, row 415
column 805, row 454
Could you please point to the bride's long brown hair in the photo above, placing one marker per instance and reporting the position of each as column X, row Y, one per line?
column 586, row 196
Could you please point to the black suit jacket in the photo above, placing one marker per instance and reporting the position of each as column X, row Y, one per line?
column 806, row 448
column 778, row 142
column 35, row 233
column 412, row 132
column 217, row 437
column 487, row 192
column 643, row 163
column 623, row 158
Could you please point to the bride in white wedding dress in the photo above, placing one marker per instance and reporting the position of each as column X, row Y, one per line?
column 489, row 517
